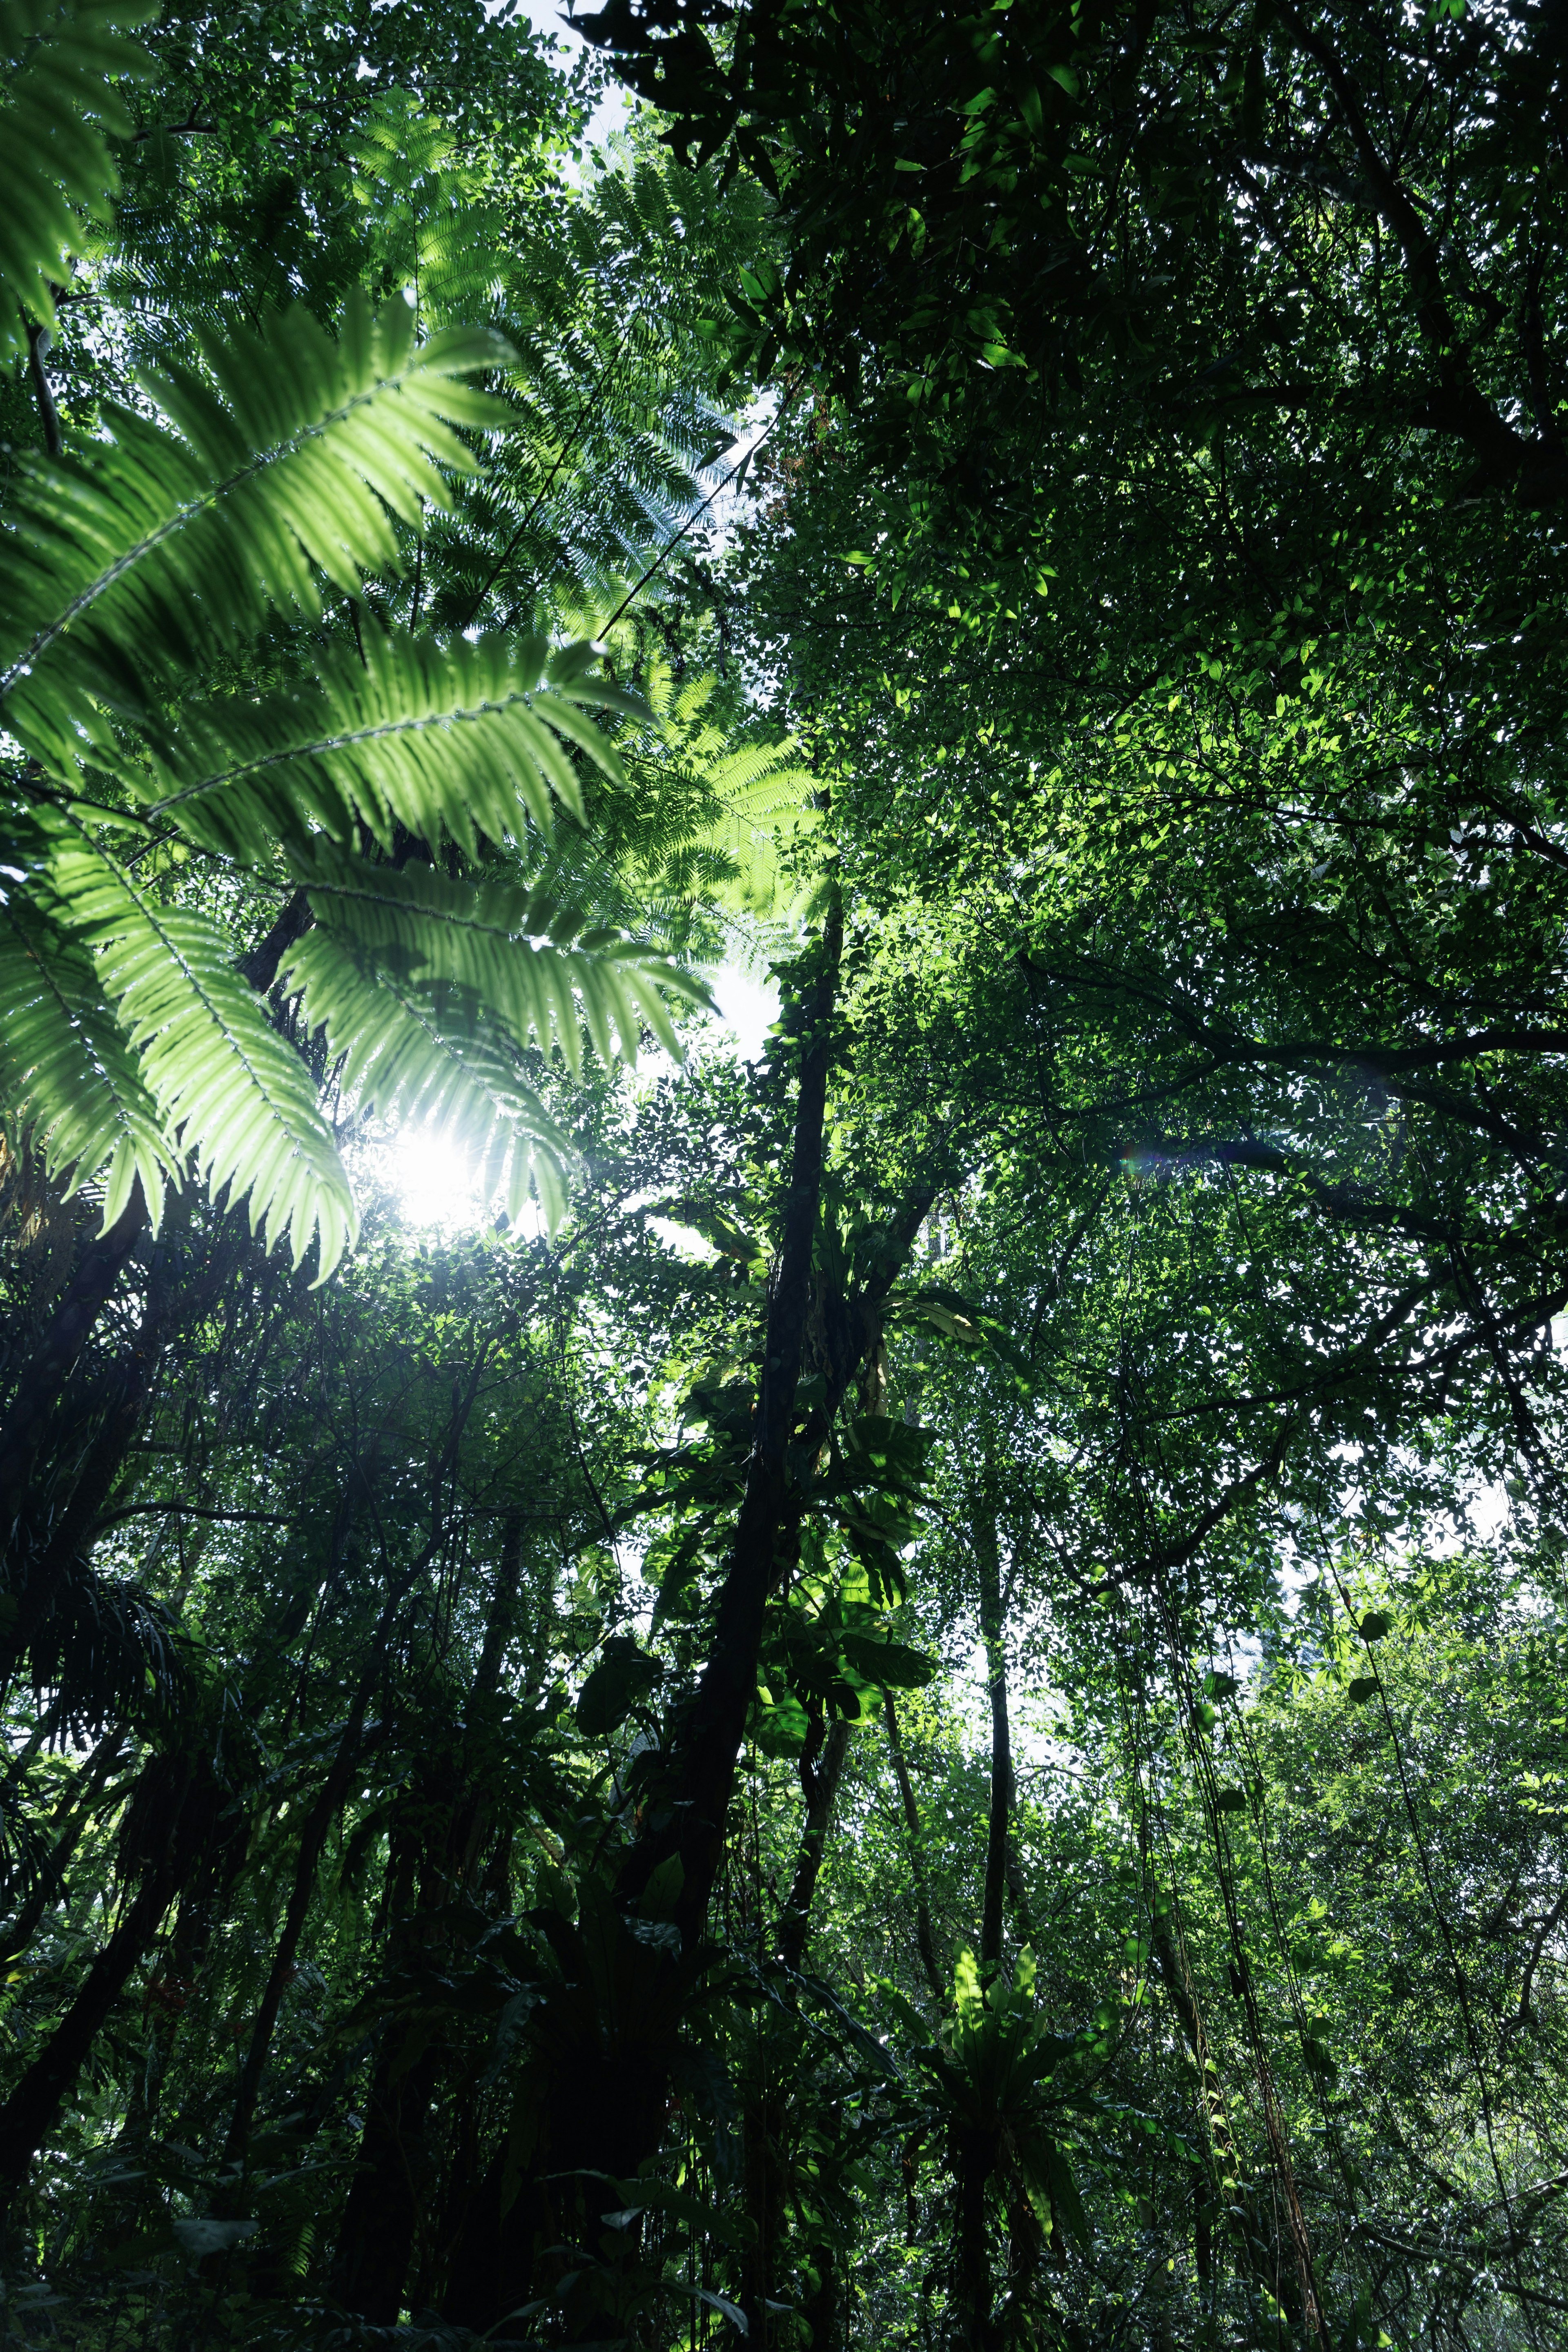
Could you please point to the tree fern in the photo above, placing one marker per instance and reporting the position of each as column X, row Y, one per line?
column 431, row 1056
column 225, row 1084
column 62, row 60
column 268, row 463
column 529, row 958
column 61, row 1049
column 444, row 739
column 127, row 568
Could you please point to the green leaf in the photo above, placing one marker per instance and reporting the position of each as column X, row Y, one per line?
column 431, row 1058
column 624, row 1677
column 225, row 1082
column 68, row 1071
column 501, row 944
column 132, row 565
column 447, row 740
column 888, row 1664
column 62, row 107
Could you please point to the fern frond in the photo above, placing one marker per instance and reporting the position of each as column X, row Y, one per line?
column 140, row 559
column 69, row 1077
column 62, row 60
column 444, row 739
column 716, row 819
column 430, row 1058
column 225, row 1082
column 526, row 955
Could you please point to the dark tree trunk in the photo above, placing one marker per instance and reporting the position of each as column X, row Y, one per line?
column 74, row 1813
column 28, row 2115
column 54, row 1359
column 766, row 2112
column 396, row 2183
column 927, row 1947
column 822, row 2309
column 709, row 1742
column 105, row 1459
column 821, row 1779
column 171, row 1822
column 998, row 1833
column 314, row 1838
column 40, row 342
column 392, row 2187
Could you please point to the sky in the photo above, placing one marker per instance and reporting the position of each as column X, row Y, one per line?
column 609, row 115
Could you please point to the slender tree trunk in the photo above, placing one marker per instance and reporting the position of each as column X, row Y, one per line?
column 105, row 1459
column 40, row 342
column 31, row 2109
column 55, row 1357
column 179, row 1828
column 395, row 2183
column 765, row 2115
column 1247, row 2237
column 391, row 2190
column 710, row 1739
column 75, row 1811
column 988, row 1557
column 322, row 1813
column 821, row 1790
column 927, row 1949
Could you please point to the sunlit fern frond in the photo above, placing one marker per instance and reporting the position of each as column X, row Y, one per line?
column 228, row 1087
column 70, row 1078
column 444, row 739
column 132, row 565
column 62, row 62
column 542, row 967
column 431, row 1056
column 719, row 818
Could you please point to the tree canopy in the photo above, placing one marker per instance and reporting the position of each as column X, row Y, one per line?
column 906, row 1687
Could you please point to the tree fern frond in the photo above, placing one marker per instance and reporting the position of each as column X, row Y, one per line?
column 432, row 1057
column 70, row 1078
column 62, row 60
column 223, row 1081
column 711, row 816
column 526, row 955
column 139, row 560
column 444, row 739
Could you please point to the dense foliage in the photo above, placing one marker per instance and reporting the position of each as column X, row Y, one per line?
column 909, row 1691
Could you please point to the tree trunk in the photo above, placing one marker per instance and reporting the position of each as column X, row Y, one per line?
column 322, row 1813
column 927, row 1949
column 987, row 1556
column 395, row 2185
column 710, row 1739
column 105, row 1459
column 765, row 2117
column 821, row 1790
column 55, row 1357
column 178, row 1821
column 391, row 2190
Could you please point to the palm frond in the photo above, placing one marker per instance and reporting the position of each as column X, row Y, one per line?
column 62, row 60
column 431, row 1058
column 70, row 1078
column 292, row 455
column 444, row 739
column 225, row 1082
